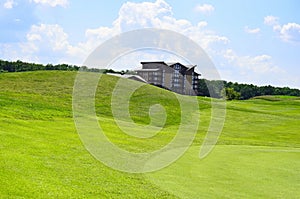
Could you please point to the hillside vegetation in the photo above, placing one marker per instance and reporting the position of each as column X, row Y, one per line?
column 214, row 88
column 209, row 88
column 41, row 156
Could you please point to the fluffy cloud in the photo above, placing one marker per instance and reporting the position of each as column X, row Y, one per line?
column 271, row 20
column 9, row 4
column 204, row 9
column 46, row 43
column 48, row 35
column 251, row 31
column 143, row 15
column 259, row 64
column 257, row 69
column 289, row 32
column 50, row 42
column 156, row 14
column 52, row 3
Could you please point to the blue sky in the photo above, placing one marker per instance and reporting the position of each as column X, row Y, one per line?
column 250, row 41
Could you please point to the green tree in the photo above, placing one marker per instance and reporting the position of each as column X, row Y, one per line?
column 202, row 88
column 230, row 94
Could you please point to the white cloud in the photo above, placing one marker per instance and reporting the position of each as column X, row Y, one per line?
column 132, row 60
column 49, row 39
column 52, row 3
column 49, row 35
column 160, row 15
column 260, row 64
column 271, row 20
column 9, row 4
column 143, row 15
column 156, row 14
column 257, row 69
column 46, row 43
column 289, row 32
column 251, row 31
column 205, row 8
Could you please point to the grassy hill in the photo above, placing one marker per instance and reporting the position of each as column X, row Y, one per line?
column 41, row 155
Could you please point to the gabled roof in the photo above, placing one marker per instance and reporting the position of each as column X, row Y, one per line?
column 173, row 63
column 170, row 64
column 153, row 62
column 193, row 67
column 190, row 66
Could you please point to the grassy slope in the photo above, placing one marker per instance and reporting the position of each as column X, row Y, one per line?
column 41, row 154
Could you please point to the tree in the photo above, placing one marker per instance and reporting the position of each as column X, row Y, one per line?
column 247, row 92
column 202, row 88
column 230, row 94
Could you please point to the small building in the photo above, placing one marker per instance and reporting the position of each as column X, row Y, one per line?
column 133, row 77
column 173, row 76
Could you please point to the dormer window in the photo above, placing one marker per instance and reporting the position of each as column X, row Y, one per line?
column 177, row 67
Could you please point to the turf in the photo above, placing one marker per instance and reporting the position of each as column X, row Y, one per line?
column 41, row 156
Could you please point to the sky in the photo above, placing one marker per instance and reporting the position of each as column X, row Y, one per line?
column 249, row 41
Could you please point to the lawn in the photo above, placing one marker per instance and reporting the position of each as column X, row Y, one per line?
column 42, row 156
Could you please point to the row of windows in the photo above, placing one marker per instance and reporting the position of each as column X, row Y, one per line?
column 176, row 74
column 175, row 81
column 151, row 73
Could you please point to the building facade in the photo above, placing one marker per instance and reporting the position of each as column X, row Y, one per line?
column 173, row 76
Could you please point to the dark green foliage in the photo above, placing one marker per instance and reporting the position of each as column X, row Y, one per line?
column 122, row 72
column 210, row 88
column 230, row 94
column 113, row 71
column 202, row 88
column 20, row 66
column 213, row 88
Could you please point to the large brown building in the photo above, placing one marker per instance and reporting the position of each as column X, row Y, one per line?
column 173, row 76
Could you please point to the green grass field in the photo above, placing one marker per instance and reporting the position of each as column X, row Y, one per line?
column 42, row 156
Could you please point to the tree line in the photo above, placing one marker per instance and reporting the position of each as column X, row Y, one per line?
column 209, row 88
column 20, row 66
column 230, row 90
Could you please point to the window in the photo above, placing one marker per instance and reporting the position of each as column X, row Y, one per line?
column 176, row 73
column 176, row 85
